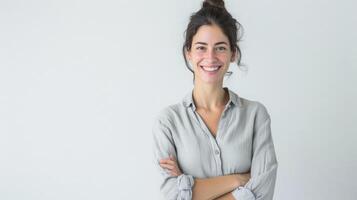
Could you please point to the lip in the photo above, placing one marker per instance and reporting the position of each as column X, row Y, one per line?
column 211, row 72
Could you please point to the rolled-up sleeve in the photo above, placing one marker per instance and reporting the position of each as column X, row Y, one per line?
column 264, row 166
column 171, row 187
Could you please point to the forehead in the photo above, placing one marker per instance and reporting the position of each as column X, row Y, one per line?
column 209, row 34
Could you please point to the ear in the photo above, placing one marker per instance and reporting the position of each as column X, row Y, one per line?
column 188, row 55
column 234, row 56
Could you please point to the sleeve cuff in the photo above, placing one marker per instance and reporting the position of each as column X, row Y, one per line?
column 184, row 184
column 242, row 193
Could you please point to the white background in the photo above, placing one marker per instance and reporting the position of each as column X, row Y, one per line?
column 80, row 83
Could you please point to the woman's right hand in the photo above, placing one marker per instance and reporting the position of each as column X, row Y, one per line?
column 171, row 164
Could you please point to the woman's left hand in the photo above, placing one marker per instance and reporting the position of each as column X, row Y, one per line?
column 171, row 165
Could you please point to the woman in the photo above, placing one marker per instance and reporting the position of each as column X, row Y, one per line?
column 214, row 144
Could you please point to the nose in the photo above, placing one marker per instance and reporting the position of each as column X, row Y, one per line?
column 210, row 55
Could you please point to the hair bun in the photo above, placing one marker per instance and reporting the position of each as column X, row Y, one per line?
column 214, row 3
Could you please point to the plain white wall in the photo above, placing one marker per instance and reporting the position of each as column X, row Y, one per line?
column 80, row 83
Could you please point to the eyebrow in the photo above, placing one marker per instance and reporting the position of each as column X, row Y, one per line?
column 203, row 43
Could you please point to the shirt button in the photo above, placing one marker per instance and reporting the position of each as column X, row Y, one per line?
column 216, row 151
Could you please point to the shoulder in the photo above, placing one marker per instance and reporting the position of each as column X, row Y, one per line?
column 169, row 114
column 255, row 109
column 165, row 120
column 249, row 107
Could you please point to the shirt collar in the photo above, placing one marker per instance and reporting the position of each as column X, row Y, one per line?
column 233, row 99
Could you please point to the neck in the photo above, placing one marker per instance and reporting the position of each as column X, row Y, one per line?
column 209, row 97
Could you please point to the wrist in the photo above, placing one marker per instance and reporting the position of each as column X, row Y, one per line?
column 241, row 180
column 238, row 180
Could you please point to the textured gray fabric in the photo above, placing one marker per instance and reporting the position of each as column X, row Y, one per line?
column 243, row 143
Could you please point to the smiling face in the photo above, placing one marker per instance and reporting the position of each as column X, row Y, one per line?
column 210, row 54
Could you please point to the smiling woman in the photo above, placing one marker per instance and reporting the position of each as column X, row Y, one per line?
column 213, row 13
column 210, row 54
column 214, row 144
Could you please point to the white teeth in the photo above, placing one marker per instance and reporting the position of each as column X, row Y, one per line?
column 210, row 69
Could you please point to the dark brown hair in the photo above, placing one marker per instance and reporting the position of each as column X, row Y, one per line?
column 213, row 12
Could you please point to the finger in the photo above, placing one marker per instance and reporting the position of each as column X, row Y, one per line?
column 166, row 163
column 170, row 167
column 164, row 160
column 168, row 158
column 171, row 162
column 176, row 173
column 173, row 172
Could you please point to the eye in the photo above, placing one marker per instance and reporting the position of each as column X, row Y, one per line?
column 221, row 48
column 200, row 48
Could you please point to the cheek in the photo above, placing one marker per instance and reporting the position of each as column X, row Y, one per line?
column 225, row 58
column 197, row 57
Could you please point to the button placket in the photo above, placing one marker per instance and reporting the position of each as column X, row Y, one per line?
column 216, row 148
column 214, row 141
column 211, row 139
column 217, row 156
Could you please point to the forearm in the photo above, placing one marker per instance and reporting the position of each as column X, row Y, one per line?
column 227, row 196
column 212, row 188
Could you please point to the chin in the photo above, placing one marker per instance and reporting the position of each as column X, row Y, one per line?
column 211, row 80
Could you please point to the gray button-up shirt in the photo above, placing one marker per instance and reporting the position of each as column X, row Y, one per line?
column 243, row 143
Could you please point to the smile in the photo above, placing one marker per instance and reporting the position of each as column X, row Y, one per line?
column 211, row 69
